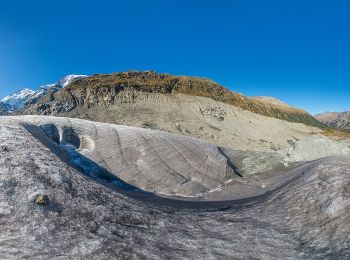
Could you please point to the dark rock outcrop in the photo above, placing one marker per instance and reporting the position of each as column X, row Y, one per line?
column 42, row 200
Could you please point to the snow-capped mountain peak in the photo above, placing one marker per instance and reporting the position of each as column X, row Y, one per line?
column 68, row 79
column 18, row 99
column 21, row 94
column 62, row 83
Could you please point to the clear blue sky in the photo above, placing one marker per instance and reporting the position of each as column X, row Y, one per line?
column 297, row 51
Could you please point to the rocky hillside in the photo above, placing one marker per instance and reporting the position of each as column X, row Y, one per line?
column 335, row 120
column 108, row 89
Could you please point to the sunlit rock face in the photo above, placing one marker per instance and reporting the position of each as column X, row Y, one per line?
column 81, row 215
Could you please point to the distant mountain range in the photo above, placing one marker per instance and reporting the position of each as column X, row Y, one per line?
column 26, row 97
column 335, row 119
